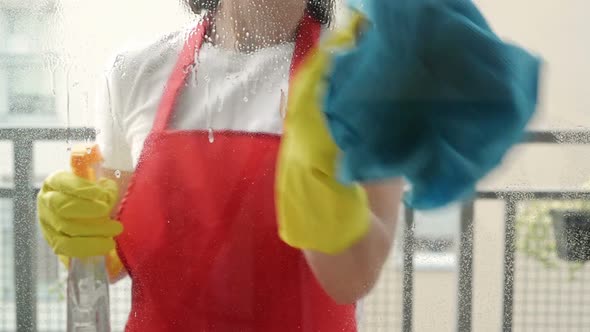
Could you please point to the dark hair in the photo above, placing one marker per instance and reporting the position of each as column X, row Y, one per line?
column 321, row 10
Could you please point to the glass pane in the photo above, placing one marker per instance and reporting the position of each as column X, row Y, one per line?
column 7, row 304
column 6, row 167
column 382, row 309
column 55, row 156
column 514, row 258
column 51, row 58
column 51, row 306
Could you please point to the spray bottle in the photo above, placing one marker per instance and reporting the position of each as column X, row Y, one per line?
column 88, row 285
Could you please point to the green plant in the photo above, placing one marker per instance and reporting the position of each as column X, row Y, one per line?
column 58, row 288
column 534, row 227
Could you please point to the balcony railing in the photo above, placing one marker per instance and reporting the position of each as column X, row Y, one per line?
column 24, row 207
column 23, row 196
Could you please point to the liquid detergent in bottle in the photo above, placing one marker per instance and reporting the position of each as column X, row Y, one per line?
column 88, row 285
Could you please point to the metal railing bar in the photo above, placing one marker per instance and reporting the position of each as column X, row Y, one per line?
column 408, row 271
column 509, row 252
column 558, row 137
column 7, row 193
column 519, row 195
column 81, row 133
column 465, row 279
column 24, row 228
column 47, row 134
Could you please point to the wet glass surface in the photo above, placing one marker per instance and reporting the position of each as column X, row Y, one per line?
column 491, row 265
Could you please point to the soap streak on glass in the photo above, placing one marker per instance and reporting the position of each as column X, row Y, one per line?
column 193, row 68
column 283, row 105
column 208, row 107
column 53, row 79
column 68, row 73
column 219, row 104
column 211, row 136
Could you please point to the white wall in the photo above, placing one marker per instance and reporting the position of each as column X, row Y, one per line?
column 560, row 32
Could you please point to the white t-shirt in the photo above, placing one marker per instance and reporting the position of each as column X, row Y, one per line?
column 231, row 91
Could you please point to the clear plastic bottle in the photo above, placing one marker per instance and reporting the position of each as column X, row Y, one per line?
column 88, row 296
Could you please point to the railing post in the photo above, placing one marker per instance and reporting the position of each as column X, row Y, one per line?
column 509, row 250
column 465, row 287
column 408, row 271
column 25, row 243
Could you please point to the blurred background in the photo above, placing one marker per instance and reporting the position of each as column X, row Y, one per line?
column 487, row 265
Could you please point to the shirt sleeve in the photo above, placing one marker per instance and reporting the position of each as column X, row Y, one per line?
column 110, row 133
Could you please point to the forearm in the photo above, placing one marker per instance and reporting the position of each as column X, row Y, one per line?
column 351, row 274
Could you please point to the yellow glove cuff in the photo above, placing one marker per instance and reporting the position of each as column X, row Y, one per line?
column 314, row 210
column 114, row 266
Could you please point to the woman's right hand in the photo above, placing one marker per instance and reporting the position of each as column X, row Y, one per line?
column 74, row 214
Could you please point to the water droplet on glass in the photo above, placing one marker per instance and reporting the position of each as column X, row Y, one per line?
column 53, row 79
column 117, row 174
column 68, row 72
column 118, row 61
column 86, row 109
column 88, row 150
column 283, row 105
column 245, row 99
column 254, row 87
column 193, row 68
column 211, row 135
column 219, row 105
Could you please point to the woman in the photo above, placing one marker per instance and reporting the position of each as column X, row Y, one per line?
column 428, row 93
column 190, row 131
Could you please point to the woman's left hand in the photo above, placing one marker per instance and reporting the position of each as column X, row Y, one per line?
column 315, row 211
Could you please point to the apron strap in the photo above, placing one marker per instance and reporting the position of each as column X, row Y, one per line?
column 179, row 75
column 308, row 35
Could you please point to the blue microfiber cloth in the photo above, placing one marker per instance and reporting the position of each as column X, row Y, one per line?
column 430, row 94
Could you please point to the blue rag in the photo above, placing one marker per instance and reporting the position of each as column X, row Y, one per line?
column 430, row 94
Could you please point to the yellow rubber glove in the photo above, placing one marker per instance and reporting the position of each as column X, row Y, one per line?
column 74, row 214
column 314, row 210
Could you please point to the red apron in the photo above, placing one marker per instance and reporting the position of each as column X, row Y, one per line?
column 200, row 240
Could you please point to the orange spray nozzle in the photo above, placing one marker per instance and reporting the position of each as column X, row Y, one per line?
column 84, row 160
